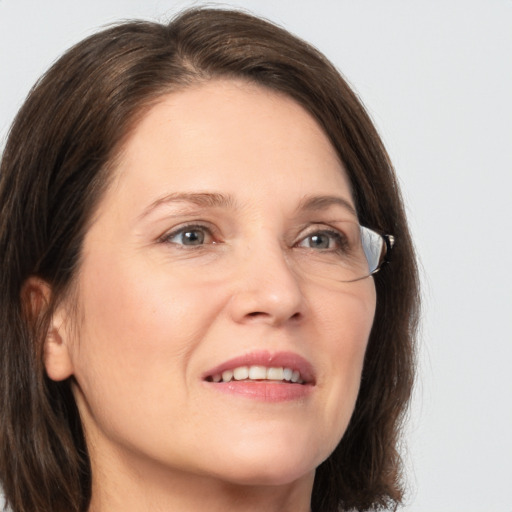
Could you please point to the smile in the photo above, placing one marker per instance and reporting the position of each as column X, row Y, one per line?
column 258, row 373
column 264, row 376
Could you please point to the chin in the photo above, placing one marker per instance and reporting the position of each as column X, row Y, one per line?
column 272, row 473
column 253, row 463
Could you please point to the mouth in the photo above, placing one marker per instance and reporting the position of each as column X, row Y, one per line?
column 264, row 376
column 257, row 373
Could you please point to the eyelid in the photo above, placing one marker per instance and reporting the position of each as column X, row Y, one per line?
column 315, row 227
column 336, row 235
column 188, row 226
column 212, row 231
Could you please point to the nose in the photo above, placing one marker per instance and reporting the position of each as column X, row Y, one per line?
column 267, row 290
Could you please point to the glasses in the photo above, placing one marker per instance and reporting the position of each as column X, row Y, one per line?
column 350, row 253
column 339, row 252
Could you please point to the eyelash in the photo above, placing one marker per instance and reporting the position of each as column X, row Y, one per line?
column 337, row 237
column 167, row 237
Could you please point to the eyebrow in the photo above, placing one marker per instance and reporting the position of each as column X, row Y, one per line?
column 218, row 200
column 317, row 203
column 201, row 199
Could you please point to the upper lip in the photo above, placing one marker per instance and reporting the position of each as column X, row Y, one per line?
column 268, row 359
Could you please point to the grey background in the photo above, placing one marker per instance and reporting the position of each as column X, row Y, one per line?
column 436, row 77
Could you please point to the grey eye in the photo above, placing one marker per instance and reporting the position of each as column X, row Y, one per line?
column 321, row 240
column 188, row 236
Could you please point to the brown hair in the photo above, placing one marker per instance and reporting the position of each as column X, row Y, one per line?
column 54, row 169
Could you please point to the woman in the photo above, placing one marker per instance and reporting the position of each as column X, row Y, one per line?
column 191, row 312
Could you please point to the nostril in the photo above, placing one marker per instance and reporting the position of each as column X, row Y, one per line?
column 260, row 314
column 256, row 313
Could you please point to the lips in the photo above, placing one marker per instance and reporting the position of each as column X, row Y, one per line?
column 263, row 376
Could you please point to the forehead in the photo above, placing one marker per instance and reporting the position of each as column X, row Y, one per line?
column 228, row 137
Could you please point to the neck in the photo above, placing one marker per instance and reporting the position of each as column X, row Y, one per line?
column 135, row 487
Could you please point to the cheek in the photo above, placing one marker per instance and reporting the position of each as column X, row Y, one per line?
column 134, row 305
column 139, row 328
column 346, row 325
column 345, row 320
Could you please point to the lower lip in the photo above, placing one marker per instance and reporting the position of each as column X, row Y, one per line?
column 264, row 391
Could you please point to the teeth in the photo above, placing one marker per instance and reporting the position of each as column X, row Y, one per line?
column 275, row 374
column 227, row 375
column 241, row 373
column 259, row 373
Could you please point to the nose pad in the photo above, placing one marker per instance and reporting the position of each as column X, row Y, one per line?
column 268, row 291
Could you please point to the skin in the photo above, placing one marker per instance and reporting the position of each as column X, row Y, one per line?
column 155, row 315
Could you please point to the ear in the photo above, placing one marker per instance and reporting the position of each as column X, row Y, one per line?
column 36, row 296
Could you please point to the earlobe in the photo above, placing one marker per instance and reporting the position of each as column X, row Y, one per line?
column 36, row 296
column 57, row 357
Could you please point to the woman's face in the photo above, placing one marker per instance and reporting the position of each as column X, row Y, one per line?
column 187, row 275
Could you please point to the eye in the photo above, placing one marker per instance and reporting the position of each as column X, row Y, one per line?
column 189, row 236
column 322, row 240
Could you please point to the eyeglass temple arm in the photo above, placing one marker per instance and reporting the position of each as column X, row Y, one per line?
column 390, row 242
